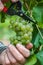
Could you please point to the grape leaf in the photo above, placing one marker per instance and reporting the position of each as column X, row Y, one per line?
column 36, row 43
column 31, row 61
column 35, row 37
column 41, row 40
column 35, row 32
column 2, row 17
column 37, row 14
column 38, row 63
column 40, row 57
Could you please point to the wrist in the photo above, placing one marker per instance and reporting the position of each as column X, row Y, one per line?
column 5, row 42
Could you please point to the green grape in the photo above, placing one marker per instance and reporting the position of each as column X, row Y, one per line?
column 20, row 24
column 19, row 38
column 10, row 26
column 15, row 42
column 11, row 22
column 20, row 33
column 23, row 28
column 23, row 31
column 24, row 22
column 29, row 33
column 27, row 41
column 15, row 24
column 31, row 29
column 23, row 41
column 25, row 36
column 30, row 37
column 27, row 27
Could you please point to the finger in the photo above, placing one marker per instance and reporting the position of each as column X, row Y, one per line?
column 29, row 46
column 11, row 58
column 16, row 54
column 3, row 58
column 14, row 0
column 1, row 6
column 23, row 50
column 7, row 62
column 17, row 63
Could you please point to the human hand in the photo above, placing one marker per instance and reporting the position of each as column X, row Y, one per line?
column 15, row 55
column 1, row 4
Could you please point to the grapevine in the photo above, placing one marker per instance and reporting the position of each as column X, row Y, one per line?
column 17, row 30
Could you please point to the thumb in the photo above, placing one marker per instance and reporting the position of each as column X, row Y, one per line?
column 29, row 46
column 1, row 6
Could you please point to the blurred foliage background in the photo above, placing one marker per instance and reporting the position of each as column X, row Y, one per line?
column 34, row 9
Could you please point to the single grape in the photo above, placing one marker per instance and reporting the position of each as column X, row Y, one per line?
column 15, row 42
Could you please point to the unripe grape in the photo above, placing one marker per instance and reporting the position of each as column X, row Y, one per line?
column 26, row 36
column 23, row 31
column 10, row 26
column 23, row 28
column 27, row 41
column 15, row 42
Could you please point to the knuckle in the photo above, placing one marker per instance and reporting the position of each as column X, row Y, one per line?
column 14, row 61
column 27, row 54
column 17, row 63
column 22, row 60
column 7, row 63
column 9, row 46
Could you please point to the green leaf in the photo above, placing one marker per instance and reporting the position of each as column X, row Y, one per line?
column 35, row 32
column 36, row 43
column 37, row 13
column 2, row 17
column 35, row 37
column 38, row 63
column 41, row 39
column 32, row 60
column 40, row 57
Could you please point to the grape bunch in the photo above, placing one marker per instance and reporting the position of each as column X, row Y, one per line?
column 22, row 31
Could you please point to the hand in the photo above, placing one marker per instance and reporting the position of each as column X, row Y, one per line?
column 1, row 4
column 15, row 55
